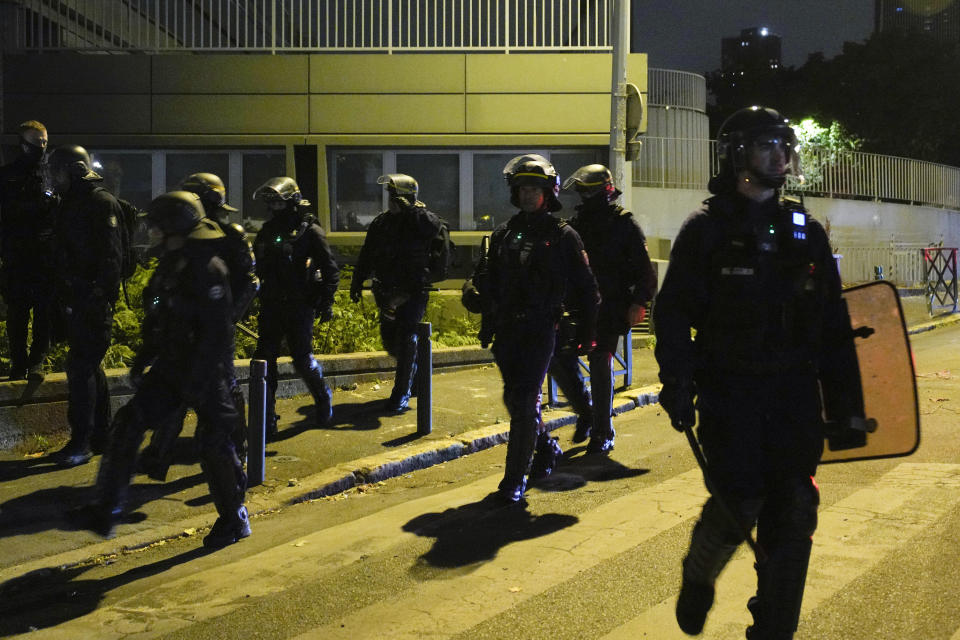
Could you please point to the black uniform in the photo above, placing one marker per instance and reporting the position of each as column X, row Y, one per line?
column 536, row 263
column 396, row 254
column 188, row 336
column 298, row 279
column 758, row 283
column 237, row 253
column 618, row 257
column 88, row 252
column 27, row 207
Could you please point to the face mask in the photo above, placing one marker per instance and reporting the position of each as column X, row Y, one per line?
column 155, row 236
column 32, row 152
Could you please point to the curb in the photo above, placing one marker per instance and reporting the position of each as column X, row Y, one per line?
column 343, row 477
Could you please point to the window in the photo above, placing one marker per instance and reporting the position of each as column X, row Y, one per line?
column 355, row 197
column 181, row 165
column 258, row 167
column 491, row 197
column 438, row 176
column 126, row 175
column 465, row 187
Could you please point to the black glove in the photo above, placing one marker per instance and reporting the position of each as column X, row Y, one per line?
column 356, row 289
column 325, row 314
column 676, row 397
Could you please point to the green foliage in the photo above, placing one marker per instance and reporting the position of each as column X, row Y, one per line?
column 353, row 328
column 820, row 149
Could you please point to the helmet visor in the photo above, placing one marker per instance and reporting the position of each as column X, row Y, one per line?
column 775, row 155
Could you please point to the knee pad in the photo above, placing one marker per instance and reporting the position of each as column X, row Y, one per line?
column 800, row 511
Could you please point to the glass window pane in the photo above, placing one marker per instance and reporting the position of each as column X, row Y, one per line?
column 126, row 175
column 181, row 165
column 438, row 175
column 258, row 167
column 491, row 197
column 566, row 162
column 356, row 198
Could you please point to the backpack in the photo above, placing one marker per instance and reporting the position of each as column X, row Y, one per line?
column 442, row 250
column 131, row 220
column 130, row 223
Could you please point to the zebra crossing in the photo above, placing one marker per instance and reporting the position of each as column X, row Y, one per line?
column 855, row 534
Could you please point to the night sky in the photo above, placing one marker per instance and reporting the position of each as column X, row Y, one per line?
column 685, row 34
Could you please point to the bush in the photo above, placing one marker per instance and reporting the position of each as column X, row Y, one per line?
column 353, row 328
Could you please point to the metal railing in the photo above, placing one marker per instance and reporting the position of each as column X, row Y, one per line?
column 666, row 87
column 681, row 163
column 311, row 25
column 902, row 265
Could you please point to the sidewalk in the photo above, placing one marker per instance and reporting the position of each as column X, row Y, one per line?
column 362, row 445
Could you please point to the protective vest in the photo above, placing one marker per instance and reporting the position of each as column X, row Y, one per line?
column 531, row 271
column 767, row 289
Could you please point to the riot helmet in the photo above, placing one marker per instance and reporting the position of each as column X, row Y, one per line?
column 210, row 188
column 175, row 213
column 73, row 160
column 280, row 189
column 402, row 188
column 33, row 140
column 746, row 134
column 593, row 181
column 533, row 170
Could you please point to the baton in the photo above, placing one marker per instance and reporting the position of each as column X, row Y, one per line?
column 758, row 551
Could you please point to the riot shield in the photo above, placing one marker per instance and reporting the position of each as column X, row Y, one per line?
column 868, row 386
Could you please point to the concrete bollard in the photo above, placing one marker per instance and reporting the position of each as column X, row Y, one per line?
column 424, row 379
column 257, row 423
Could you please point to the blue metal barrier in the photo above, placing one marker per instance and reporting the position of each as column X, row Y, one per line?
column 623, row 356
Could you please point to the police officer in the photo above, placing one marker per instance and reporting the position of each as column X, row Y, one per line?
column 27, row 207
column 298, row 278
column 238, row 254
column 187, row 339
column 396, row 254
column 536, row 262
column 88, row 255
column 753, row 274
column 618, row 257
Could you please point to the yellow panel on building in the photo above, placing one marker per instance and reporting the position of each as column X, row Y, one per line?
column 219, row 114
column 404, row 73
column 538, row 113
column 539, row 73
column 73, row 73
column 415, row 114
column 86, row 114
column 230, row 74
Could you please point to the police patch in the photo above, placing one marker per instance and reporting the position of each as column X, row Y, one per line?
column 112, row 221
column 216, row 292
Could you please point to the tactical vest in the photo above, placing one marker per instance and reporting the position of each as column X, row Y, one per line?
column 766, row 291
column 532, row 273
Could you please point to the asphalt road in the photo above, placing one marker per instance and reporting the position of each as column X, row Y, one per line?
column 596, row 553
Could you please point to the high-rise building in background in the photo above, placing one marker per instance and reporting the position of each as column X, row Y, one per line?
column 939, row 18
column 754, row 52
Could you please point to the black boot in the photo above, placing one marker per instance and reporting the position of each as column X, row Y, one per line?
column 95, row 517
column 546, row 458
column 601, row 379
column 405, row 375
column 227, row 530
column 693, row 604
column 520, row 449
column 322, row 396
column 227, row 483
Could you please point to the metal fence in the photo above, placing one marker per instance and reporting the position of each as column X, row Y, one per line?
column 679, row 163
column 903, row 265
column 311, row 25
column 667, row 87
